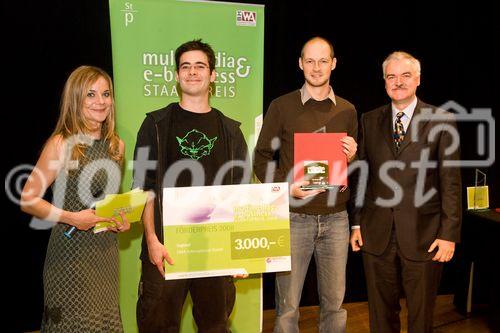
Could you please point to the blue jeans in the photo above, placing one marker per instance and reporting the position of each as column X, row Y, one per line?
column 327, row 236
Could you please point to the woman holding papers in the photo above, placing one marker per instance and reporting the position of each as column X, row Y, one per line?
column 82, row 162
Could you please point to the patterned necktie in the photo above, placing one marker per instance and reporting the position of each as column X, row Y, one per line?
column 399, row 130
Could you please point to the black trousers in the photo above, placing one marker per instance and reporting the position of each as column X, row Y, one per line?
column 386, row 275
column 159, row 308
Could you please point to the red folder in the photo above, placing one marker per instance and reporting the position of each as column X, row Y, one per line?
column 321, row 147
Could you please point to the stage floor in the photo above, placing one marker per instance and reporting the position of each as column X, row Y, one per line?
column 446, row 318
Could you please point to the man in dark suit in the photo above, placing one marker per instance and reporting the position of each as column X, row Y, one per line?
column 410, row 220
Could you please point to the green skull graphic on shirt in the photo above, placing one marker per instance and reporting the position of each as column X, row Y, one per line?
column 195, row 144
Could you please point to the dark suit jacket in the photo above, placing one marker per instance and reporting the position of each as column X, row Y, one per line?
column 417, row 222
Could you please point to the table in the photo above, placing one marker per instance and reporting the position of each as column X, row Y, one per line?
column 478, row 263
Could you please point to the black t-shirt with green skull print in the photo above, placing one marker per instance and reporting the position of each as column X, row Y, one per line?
column 195, row 143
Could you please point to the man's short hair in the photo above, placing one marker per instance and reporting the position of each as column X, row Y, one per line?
column 332, row 53
column 401, row 55
column 195, row 45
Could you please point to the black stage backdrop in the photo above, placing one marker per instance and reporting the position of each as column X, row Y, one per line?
column 44, row 41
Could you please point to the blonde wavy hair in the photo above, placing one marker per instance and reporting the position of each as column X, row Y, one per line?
column 72, row 120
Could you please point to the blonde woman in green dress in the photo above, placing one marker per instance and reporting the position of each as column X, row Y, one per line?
column 82, row 161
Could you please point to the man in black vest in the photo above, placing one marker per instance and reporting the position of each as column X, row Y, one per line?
column 190, row 133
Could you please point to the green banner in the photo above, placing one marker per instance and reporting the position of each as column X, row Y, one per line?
column 145, row 35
